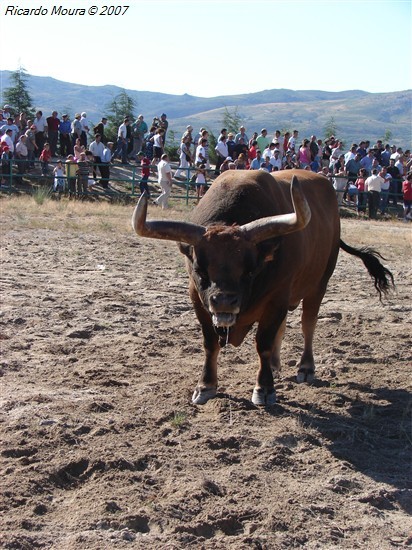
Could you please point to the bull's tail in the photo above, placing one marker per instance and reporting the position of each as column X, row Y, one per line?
column 383, row 277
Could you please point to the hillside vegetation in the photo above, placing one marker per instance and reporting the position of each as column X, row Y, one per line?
column 357, row 114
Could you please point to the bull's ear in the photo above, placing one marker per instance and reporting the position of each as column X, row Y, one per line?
column 267, row 250
column 187, row 250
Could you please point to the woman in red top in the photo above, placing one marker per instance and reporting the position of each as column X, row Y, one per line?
column 360, row 184
column 407, row 197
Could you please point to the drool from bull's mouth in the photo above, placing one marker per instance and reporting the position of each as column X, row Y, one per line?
column 272, row 238
column 224, row 319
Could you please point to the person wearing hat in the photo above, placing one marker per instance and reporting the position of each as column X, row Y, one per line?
column 64, row 136
column 139, row 129
column 53, row 123
column 76, row 129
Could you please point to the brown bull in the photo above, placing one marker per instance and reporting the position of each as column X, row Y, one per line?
column 258, row 245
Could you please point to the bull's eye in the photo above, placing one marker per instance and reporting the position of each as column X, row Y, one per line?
column 202, row 275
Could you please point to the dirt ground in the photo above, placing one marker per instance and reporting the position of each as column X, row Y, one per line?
column 101, row 447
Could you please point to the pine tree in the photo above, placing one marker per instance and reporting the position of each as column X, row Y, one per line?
column 232, row 120
column 122, row 106
column 18, row 95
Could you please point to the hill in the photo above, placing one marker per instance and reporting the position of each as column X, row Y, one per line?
column 357, row 114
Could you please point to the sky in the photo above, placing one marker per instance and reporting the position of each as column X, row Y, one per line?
column 213, row 48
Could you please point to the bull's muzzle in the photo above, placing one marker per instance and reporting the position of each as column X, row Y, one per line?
column 224, row 307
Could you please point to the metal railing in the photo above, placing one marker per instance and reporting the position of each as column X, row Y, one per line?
column 125, row 182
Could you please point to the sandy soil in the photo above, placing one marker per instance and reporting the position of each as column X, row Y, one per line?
column 101, row 447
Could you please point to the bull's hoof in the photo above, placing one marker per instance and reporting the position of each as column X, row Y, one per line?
column 305, row 375
column 264, row 397
column 202, row 395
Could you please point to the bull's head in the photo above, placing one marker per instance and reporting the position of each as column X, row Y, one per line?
column 224, row 261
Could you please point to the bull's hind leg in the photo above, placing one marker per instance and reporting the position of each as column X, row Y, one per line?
column 268, row 342
column 310, row 310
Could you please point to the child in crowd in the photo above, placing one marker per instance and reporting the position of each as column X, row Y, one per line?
column 360, row 184
column 201, row 181
column 5, row 162
column 59, row 178
column 145, row 164
column 45, row 157
column 71, row 171
column 83, row 167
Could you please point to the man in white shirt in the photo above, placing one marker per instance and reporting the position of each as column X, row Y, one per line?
column 6, row 138
column 96, row 148
column 41, row 131
column 121, row 149
column 373, row 186
column 275, row 160
column 222, row 152
column 85, row 129
column 201, row 153
column 164, row 178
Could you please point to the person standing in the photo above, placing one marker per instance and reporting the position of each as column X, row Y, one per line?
column 164, row 178
column 106, row 157
column 64, row 136
column 373, row 186
column 96, row 148
column 41, row 128
column 76, row 129
column 139, row 129
column 99, row 129
column 53, row 123
column 121, row 148
column 85, row 129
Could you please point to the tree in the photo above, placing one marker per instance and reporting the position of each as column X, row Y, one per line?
column 330, row 128
column 232, row 120
column 120, row 107
column 18, row 95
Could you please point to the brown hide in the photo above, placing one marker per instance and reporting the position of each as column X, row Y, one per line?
column 305, row 259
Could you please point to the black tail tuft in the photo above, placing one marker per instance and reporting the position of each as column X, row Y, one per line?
column 383, row 277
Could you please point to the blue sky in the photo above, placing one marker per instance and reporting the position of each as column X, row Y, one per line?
column 218, row 47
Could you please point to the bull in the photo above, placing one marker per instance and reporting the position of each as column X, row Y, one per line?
column 258, row 245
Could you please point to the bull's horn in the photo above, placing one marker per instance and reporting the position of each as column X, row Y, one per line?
column 273, row 226
column 185, row 232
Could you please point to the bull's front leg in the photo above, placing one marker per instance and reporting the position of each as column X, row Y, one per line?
column 268, row 341
column 207, row 386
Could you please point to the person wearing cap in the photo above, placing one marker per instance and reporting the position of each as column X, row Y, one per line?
column 76, row 129
column 139, row 129
column 85, row 129
column 53, row 123
column 241, row 134
column 6, row 112
column 64, row 136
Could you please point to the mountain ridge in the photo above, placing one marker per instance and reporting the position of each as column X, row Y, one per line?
column 356, row 113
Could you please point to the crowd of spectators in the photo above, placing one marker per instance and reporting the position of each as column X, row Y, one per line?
column 365, row 172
